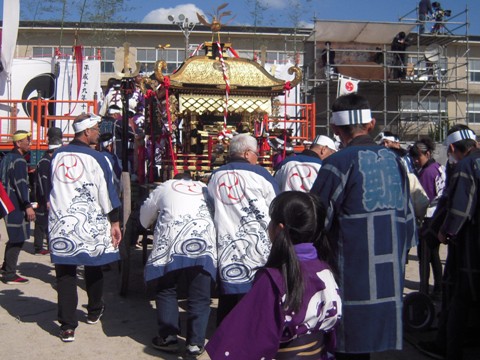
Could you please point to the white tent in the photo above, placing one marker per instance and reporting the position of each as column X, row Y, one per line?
column 364, row 32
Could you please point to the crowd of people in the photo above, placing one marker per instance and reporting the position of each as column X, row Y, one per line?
column 308, row 262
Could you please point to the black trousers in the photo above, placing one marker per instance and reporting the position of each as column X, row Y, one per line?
column 225, row 304
column 455, row 315
column 39, row 234
column 12, row 251
column 67, row 293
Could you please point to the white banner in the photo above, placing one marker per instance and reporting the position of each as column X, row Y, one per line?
column 68, row 89
column 346, row 85
column 280, row 71
column 29, row 76
column 11, row 18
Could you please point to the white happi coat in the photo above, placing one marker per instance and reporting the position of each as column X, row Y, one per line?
column 298, row 173
column 184, row 234
column 242, row 194
column 82, row 195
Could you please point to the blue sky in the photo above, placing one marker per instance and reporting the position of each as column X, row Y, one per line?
column 279, row 12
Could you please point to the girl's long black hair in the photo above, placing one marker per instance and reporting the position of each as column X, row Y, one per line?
column 303, row 218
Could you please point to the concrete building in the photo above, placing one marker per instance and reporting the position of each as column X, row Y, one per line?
column 440, row 85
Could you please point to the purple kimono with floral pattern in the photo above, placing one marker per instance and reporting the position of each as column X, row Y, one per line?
column 259, row 324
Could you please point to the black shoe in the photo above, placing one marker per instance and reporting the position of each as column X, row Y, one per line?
column 431, row 349
column 169, row 344
column 67, row 335
column 93, row 319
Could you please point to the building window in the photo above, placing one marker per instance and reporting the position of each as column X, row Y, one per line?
column 423, row 108
column 473, row 109
column 107, row 54
column 42, row 51
column 108, row 58
column 474, row 70
column 148, row 57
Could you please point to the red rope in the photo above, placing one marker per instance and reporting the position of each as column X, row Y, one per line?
column 287, row 87
column 166, row 83
column 224, row 133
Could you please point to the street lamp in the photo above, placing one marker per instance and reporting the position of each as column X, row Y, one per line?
column 185, row 26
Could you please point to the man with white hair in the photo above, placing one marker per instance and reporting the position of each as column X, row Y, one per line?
column 371, row 226
column 83, row 222
column 300, row 172
column 241, row 192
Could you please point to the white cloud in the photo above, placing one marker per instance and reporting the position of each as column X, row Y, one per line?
column 274, row 4
column 305, row 24
column 160, row 16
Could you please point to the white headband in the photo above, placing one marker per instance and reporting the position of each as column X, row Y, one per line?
column 460, row 135
column 107, row 142
column 86, row 123
column 53, row 146
column 389, row 138
column 351, row 117
column 113, row 111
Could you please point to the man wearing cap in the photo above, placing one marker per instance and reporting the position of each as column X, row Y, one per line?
column 371, row 226
column 459, row 216
column 300, row 172
column 14, row 176
column 83, row 222
column 392, row 141
column 42, row 190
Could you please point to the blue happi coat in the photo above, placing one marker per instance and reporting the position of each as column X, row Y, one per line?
column 82, row 196
column 370, row 218
column 14, row 176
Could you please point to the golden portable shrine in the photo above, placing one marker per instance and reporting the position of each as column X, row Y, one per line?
column 191, row 114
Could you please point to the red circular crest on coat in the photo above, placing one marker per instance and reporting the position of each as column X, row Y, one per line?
column 230, row 188
column 69, row 168
column 187, row 188
column 301, row 174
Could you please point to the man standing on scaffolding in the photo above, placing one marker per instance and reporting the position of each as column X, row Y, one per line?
column 398, row 47
column 424, row 9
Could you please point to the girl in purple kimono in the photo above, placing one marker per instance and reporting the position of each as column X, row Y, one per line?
column 294, row 303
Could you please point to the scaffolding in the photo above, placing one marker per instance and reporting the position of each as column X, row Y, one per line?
column 420, row 91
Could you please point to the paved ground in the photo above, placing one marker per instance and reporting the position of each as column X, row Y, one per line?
column 28, row 329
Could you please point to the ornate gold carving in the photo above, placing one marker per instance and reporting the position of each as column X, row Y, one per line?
column 200, row 104
column 298, row 75
column 241, row 73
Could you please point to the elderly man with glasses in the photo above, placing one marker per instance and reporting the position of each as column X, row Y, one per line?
column 83, row 222
column 241, row 192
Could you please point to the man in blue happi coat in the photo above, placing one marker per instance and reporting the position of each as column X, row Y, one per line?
column 14, row 176
column 456, row 223
column 372, row 225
